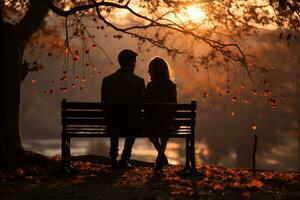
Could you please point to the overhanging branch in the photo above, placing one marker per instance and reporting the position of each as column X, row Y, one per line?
column 159, row 21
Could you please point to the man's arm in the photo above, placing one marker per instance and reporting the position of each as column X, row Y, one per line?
column 143, row 91
column 104, row 91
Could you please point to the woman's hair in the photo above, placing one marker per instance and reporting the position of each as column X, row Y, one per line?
column 160, row 70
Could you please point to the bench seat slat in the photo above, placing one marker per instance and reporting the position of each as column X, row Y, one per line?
column 105, row 129
column 100, row 106
column 129, row 132
column 170, row 135
column 75, row 121
column 102, row 114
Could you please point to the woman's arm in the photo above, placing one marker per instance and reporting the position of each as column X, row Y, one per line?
column 148, row 94
column 174, row 95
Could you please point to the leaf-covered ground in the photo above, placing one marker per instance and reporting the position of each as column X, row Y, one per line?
column 93, row 178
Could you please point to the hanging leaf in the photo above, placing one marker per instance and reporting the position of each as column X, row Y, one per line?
column 234, row 99
column 247, row 100
column 267, row 92
column 254, row 92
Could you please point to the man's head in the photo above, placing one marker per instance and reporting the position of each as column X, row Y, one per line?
column 127, row 59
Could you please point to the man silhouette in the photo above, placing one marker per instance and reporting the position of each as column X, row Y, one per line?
column 123, row 87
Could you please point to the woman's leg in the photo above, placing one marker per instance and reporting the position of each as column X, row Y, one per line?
column 163, row 144
column 160, row 153
column 156, row 144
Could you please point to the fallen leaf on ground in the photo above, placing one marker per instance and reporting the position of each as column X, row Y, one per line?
column 255, row 183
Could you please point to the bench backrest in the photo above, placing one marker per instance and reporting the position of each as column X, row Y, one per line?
column 104, row 118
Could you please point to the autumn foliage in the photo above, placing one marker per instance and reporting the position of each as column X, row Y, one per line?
column 93, row 177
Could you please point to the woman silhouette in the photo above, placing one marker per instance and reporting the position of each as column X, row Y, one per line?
column 161, row 89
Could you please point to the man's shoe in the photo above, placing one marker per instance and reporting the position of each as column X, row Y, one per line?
column 114, row 164
column 125, row 165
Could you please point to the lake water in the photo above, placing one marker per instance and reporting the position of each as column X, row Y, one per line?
column 142, row 149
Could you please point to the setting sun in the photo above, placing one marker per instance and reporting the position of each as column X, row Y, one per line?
column 192, row 14
column 195, row 13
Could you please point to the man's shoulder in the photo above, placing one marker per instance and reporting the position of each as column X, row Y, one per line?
column 111, row 76
column 127, row 75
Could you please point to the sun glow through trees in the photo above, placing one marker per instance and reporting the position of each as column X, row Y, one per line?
column 192, row 14
column 195, row 13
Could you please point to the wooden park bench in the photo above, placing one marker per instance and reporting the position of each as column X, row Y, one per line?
column 90, row 119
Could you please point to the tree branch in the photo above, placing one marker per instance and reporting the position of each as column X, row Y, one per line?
column 32, row 20
column 171, row 25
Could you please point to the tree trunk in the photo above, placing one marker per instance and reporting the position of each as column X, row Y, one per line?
column 298, row 148
column 12, row 150
column 296, row 74
column 297, row 111
column 3, row 144
column 13, row 41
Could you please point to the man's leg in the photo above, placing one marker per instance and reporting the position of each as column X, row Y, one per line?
column 113, row 153
column 129, row 141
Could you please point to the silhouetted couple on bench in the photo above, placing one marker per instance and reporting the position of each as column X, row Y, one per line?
column 124, row 87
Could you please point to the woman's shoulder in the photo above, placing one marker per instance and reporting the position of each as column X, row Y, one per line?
column 161, row 83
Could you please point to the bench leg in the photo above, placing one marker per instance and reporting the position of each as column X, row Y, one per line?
column 193, row 171
column 65, row 153
column 192, row 154
column 187, row 155
column 68, row 153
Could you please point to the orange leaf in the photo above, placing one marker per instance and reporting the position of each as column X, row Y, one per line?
column 255, row 183
column 246, row 195
column 236, row 184
column 208, row 173
column 218, row 186
column 20, row 172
